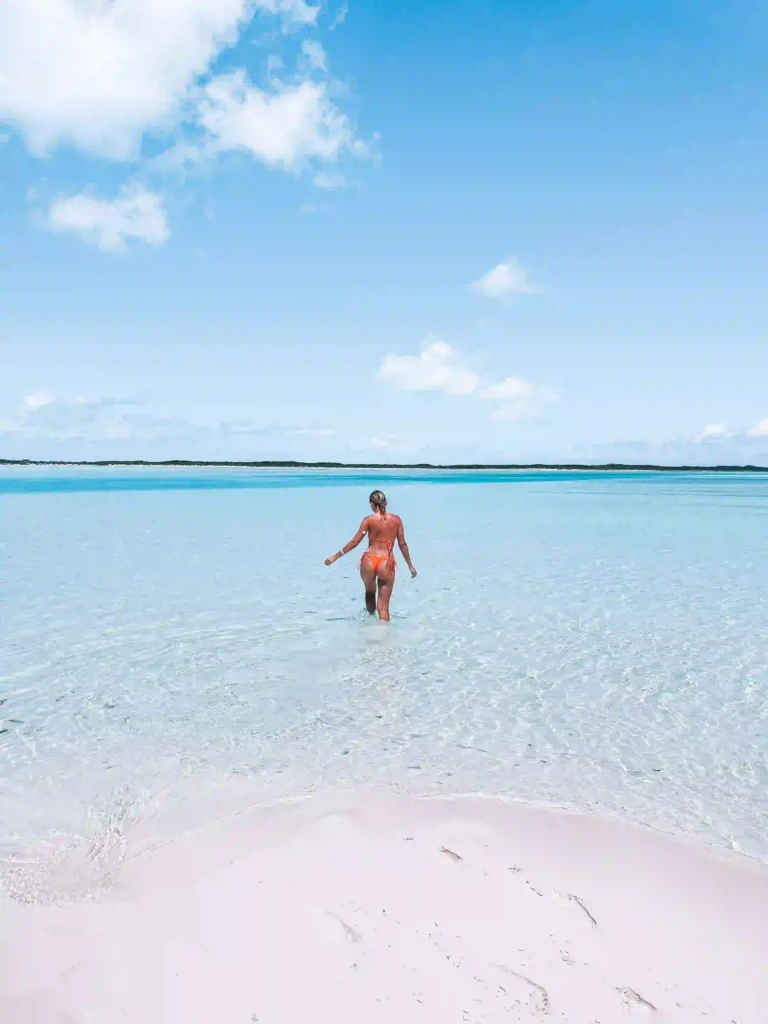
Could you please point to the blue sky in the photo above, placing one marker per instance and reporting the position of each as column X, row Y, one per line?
column 498, row 231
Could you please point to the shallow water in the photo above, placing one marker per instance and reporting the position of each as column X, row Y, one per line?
column 590, row 639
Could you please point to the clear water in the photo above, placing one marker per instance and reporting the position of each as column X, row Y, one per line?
column 595, row 640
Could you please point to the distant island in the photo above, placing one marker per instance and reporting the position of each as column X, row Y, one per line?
column 170, row 463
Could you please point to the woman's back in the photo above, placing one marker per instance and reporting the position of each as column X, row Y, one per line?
column 382, row 530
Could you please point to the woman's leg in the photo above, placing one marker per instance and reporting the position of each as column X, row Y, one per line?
column 368, row 577
column 386, row 577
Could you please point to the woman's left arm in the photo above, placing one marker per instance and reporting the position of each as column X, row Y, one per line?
column 351, row 544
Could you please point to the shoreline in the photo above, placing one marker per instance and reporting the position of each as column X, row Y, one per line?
column 376, row 906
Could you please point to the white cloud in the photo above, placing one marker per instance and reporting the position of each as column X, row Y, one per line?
column 732, row 449
column 43, row 418
column 720, row 432
column 510, row 388
column 519, row 398
column 378, row 443
column 37, row 401
column 434, row 369
column 329, row 181
column 714, row 430
column 514, row 411
column 99, row 75
column 760, row 429
column 437, row 368
column 295, row 13
column 314, row 55
column 316, row 434
column 341, row 17
column 135, row 214
column 507, row 278
column 287, row 126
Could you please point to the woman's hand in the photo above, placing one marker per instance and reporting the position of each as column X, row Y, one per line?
column 331, row 560
column 414, row 574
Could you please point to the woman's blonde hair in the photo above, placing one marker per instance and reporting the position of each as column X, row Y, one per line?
column 379, row 501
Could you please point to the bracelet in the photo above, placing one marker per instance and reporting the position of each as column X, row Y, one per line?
column 341, row 552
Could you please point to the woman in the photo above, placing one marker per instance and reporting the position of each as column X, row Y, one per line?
column 378, row 563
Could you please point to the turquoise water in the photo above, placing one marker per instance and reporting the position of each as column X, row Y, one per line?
column 591, row 639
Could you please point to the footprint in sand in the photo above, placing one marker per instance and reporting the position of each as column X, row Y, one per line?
column 450, row 853
column 634, row 1002
column 568, row 897
column 537, row 995
column 334, row 928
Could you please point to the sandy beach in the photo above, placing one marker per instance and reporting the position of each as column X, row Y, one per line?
column 361, row 907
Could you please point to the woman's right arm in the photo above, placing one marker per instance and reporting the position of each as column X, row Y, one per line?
column 404, row 548
column 351, row 544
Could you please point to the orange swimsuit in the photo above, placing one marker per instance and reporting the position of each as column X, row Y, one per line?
column 376, row 560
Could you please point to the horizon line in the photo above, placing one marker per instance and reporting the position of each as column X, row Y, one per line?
column 295, row 464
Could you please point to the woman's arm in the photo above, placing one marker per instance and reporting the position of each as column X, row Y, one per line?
column 404, row 548
column 351, row 544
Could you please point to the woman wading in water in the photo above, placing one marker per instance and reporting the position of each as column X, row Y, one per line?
column 378, row 564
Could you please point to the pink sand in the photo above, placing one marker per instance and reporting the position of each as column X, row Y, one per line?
column 361, row 909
